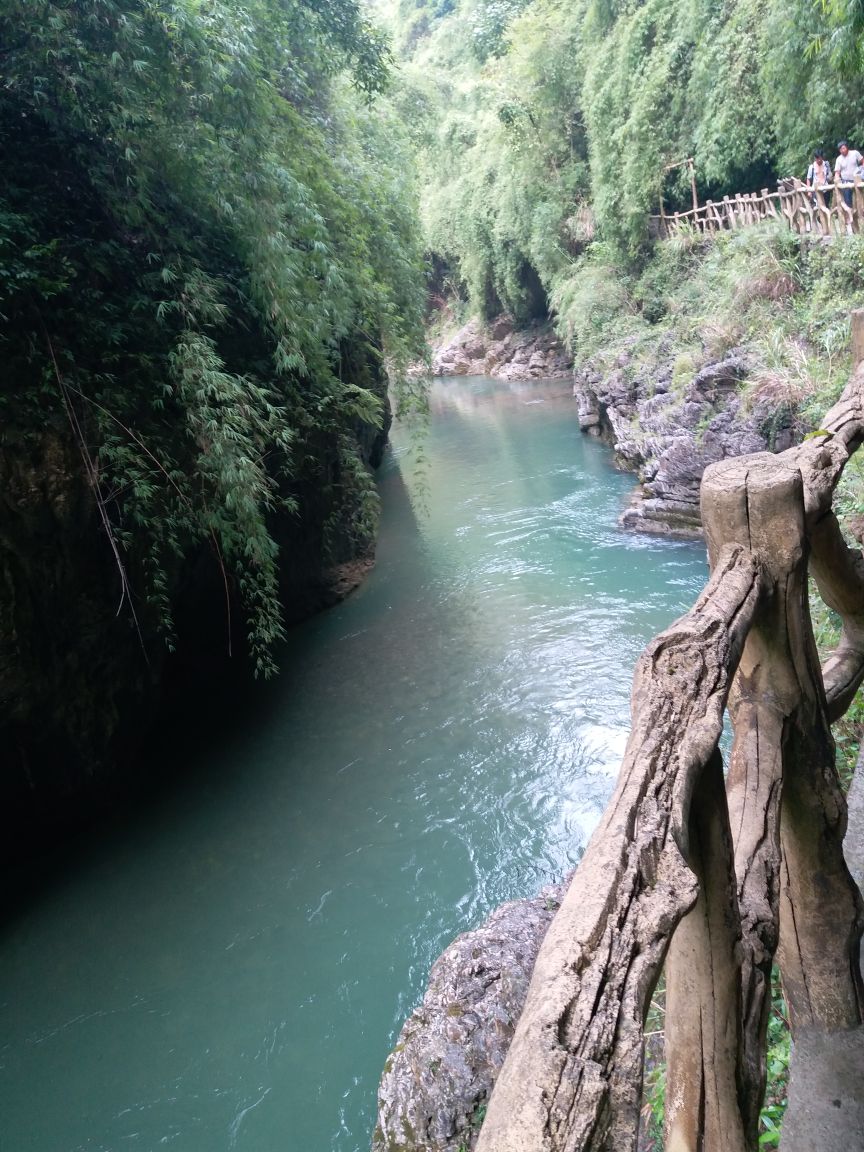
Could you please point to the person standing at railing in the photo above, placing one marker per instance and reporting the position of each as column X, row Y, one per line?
column 846, row 167
column 819, row 174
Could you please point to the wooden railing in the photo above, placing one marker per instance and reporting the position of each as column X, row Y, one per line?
column 822, row 211
column 715, row 878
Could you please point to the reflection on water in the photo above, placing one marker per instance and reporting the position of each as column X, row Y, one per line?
column 230, row 971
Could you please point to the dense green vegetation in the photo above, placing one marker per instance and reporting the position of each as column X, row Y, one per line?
column 543, row 126
column 784, row 298
column 208, row 237
column 210, row 244
column 207, row 244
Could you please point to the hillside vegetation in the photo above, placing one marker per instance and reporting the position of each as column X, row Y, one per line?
column 542, row 128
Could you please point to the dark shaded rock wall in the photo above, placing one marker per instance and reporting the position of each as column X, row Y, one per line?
column 78, row 685
column 70, row 665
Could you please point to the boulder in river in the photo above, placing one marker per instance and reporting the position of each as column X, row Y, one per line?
column 437, row 1080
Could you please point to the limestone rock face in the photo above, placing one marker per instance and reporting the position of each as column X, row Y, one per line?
column 498, row 349
column 439, row 1076
column 668, row 430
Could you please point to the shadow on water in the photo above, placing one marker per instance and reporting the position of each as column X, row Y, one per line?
column 190, row 752
column 225, row 966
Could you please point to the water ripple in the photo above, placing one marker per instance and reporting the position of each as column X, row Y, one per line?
column 232, row 974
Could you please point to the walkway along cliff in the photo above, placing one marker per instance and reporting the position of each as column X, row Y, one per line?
column 819, row 210
column 715, row 880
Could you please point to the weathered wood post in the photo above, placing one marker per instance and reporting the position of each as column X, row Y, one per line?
column 857, row 319
column 807, row 209
column 820, row 907
column 703, row 989
column 858, row 204
column 787, row 208
column 821, row 910
column 824, row 212
column 801, row 199
column 758, row 502
column 717, row 217
column 844, row 212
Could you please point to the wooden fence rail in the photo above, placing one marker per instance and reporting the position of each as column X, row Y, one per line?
column 822, row 211
column 715, row 879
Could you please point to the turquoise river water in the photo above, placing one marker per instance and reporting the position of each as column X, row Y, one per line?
column 228, row 970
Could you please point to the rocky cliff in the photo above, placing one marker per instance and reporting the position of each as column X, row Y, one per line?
column 499, row 349
column 667, row 423
column 666, row 420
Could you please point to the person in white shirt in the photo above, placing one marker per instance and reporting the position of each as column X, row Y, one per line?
column 845, row 167
column 819, row 174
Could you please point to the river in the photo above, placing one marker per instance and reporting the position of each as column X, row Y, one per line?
column 229, row 969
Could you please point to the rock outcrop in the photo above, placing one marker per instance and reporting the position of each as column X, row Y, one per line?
column 499, row 349
column 668, row 425
column 436, row 1082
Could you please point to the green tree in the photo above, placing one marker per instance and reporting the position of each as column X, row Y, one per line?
column 200, row 211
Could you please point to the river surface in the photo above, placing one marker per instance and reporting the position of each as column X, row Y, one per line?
column 229, row 969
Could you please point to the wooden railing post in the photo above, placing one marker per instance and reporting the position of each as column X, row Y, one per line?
column 824, row 213
column 857, row 320
column 821, row 911
column 703, row 989
column 758, row 501
column 807, row 210
column 844, row 212
column 858, row 204
column 787, row 208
